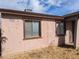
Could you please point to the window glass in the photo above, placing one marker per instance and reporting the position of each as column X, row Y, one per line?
column 35, row 28
column 60, row 28
column 32, row 29
column 28, row 29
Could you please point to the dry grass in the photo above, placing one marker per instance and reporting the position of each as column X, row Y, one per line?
column 48, row 53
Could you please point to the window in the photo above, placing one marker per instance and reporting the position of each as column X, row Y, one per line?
column 60, row 28
column 32, row 29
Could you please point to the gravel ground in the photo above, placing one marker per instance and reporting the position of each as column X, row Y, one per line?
column 48, row 53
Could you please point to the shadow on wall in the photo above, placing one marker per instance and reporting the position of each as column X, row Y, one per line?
column 71, row 27
column 2, row 41
column 61, row 41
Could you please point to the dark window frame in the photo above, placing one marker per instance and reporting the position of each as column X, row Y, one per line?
column 32, row 20
column 58, row 23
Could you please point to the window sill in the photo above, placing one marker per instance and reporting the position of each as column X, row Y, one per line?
column 32, row 38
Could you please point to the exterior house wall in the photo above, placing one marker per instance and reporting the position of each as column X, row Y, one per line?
column 77, row 34
column 68, row 36
column 12, row 29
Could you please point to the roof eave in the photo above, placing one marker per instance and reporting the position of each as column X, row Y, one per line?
column 32, row 14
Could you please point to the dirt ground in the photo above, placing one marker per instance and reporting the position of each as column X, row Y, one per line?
column 48, row 53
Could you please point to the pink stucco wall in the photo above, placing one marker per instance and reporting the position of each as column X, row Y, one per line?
column 12, row 29
column 77, row 34
column 68, row 36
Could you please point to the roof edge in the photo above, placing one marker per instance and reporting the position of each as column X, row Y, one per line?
column 71, row 14
column 18, row 12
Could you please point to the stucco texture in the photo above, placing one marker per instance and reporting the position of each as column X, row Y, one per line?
column 13, row 30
